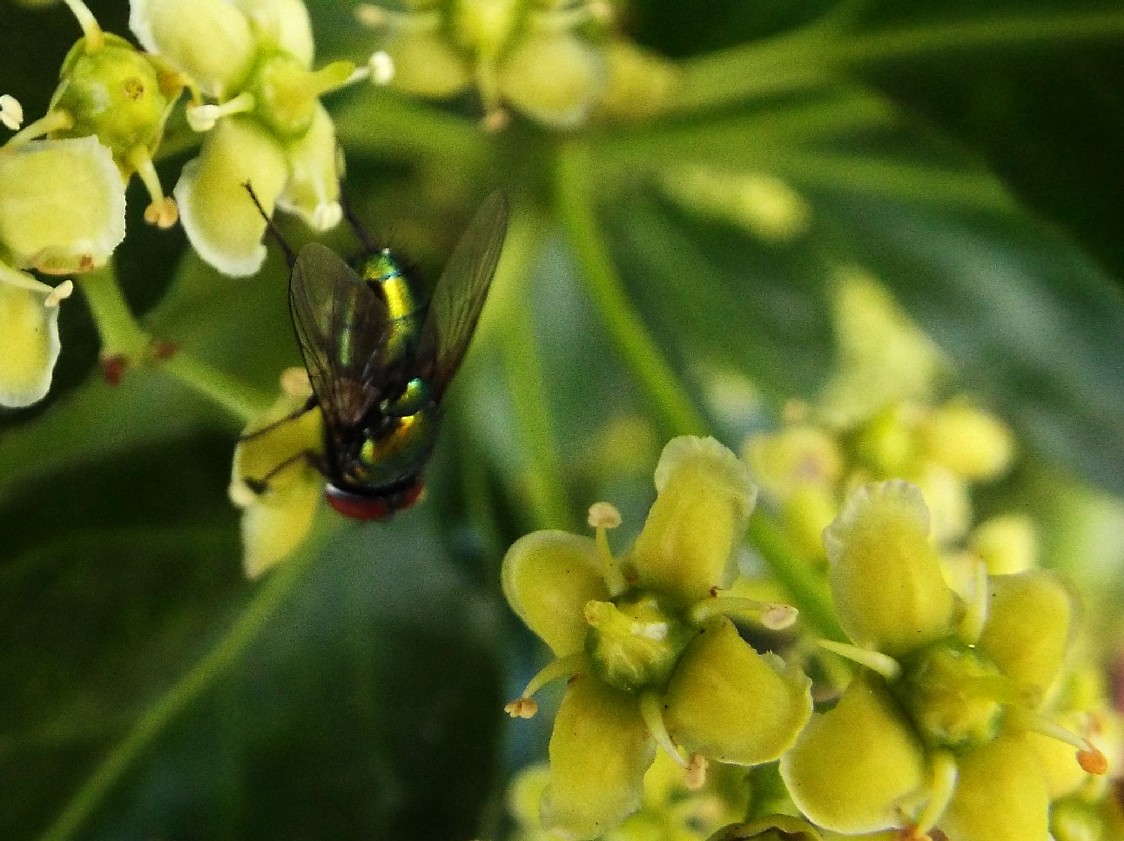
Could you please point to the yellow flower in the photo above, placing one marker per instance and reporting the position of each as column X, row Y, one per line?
column 651, row 657
column 267, row 126
column 935, row 731
column 553, row 62
column 62, row 210
column 273, row 479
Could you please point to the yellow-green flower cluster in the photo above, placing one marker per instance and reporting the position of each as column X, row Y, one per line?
column 248, row 64
column 555, row 61
column 110, row 90
column 273, row 479
column 644, row 639
column 669, row 811
column 62, row 211
column 878, row 419
column 938, row 727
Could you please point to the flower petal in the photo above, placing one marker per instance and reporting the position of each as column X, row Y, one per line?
column 209, row 41
column 313, row 188
column 547, row 577
column 283, row 23
column 220, row 220
column 554, row 77
column 1000, row 795
column 599, row 751
column 729, row 703
column 1028, row 625
column 885, row 575
column 275, row 521
column 425, row 64
column 704, row 499
column 62, row 209
column 855, row 767
column 29, row 340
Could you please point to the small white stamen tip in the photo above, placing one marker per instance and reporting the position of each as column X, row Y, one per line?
column 604, row 515
column 777, row 617
column 371, row 15
column 496, row 120
column 241, row 494
column 327, row 215
column 696, row 772
column 382, row 67
column 59, row 293
column 163, row 213
column 522, row 708
column 11, row 112
column 601, row 11
column 202, row 117
column 295, row 382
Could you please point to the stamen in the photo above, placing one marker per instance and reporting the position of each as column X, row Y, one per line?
column 651, row 710
column 1089, row 757
column 57, row 120
column 944, row 784
column 562, row 668
column 90, row 28
column 603, row 516
column 203, row 117
column 11, row 112
column 696, row 772
column 22, row 280
column 495, row 120
column 295, row 382
column 773, row 615
column 381, row 67
column 161, row 211
column 975, row 616
column 876, row 661
column 376, row 17
column 59, row 293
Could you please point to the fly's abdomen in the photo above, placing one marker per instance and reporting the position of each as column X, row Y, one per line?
column 399, row 447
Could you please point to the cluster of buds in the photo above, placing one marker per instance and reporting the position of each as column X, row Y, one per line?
column 555, row 61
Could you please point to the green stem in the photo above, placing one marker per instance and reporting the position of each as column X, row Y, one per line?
column 574, row 202
column 121, row 335
column 817, row 54
column 201, row 678
column 239, row 399
column 523, row 368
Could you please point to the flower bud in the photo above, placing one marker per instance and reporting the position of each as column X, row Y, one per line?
column 116, row 94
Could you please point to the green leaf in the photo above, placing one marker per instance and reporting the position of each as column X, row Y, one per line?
column 358, row 698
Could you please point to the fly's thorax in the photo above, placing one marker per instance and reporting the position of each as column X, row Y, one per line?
column 406, row 300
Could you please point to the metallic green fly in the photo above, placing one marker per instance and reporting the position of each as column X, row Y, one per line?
column 380, row 351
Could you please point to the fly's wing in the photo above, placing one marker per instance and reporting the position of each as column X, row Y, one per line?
column 459, row 295
column 341, row 327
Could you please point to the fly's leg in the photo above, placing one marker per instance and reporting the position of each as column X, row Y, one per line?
column 290, row 257
column 312, row 459
column 307, row 406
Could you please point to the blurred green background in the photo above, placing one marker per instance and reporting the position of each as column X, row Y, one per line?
column 965, row 152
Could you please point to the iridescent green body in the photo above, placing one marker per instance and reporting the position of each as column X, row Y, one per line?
column 397, row 439
column 381, row 348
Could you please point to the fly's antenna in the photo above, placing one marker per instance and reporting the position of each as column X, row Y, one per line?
column 290, row 257
column 361, row 232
